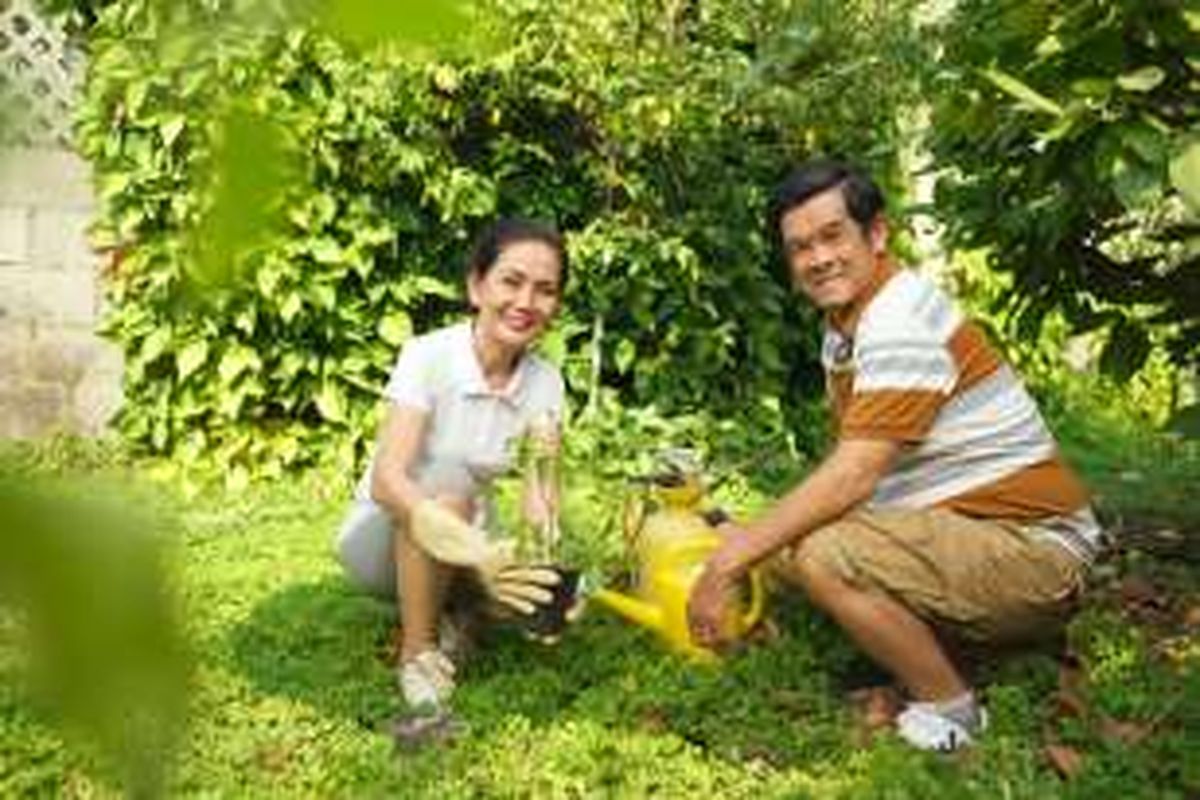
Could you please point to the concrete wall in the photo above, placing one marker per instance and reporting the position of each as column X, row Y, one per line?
column 56, row 374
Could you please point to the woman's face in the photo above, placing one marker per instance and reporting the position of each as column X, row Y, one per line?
column 518, row 297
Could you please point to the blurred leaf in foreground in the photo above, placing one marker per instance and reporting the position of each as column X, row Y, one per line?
column 251, row 172
column 83, row 576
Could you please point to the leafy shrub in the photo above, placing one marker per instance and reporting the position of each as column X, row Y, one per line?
column 283, row 210
column 1065, row 139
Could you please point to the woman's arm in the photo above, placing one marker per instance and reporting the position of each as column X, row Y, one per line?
column 400, row 441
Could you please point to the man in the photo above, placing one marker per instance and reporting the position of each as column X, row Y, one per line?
column 944, row 508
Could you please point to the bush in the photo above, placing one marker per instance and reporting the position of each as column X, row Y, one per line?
column 284, row 210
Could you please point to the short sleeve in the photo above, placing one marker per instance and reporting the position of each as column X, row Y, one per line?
column 555, row 394
column 410, row 383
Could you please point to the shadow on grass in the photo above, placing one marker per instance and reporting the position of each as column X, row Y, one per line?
column 321, row 643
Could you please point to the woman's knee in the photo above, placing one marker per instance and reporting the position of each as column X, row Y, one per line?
column 364, row 548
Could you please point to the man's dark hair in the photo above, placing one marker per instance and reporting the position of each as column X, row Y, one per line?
column 492, row 240
column 864, row 200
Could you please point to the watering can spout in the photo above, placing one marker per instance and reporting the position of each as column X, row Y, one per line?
column 639, row 611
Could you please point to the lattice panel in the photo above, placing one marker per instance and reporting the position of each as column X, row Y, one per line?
column 39, row 72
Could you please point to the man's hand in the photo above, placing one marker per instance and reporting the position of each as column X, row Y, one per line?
column 708, row 603
column 520, row 587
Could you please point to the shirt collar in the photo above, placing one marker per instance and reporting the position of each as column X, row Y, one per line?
column 469, row 373
column 845, row 319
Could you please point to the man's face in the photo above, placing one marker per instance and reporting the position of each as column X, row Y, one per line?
column 831, row 258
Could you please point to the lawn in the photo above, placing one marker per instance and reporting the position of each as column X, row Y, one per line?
column 292, row 693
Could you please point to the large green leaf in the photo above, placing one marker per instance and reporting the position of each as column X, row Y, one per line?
column 236, row 361
column 1029, row 96
column 1142, row 80
column 191, row 358
column 395, row 328
column 331, row 402
column 1185, row 174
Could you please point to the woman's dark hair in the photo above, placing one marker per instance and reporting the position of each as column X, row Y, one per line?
column 492, row 240
column 864, row 200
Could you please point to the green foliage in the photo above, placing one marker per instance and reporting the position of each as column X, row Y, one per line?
column 285, row 209
column 1066, row 138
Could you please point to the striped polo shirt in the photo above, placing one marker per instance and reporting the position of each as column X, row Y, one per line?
column 912, row 369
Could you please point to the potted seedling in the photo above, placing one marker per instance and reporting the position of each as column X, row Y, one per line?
column 534, row 485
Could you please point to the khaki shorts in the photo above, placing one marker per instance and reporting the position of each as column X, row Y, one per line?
column 982, row 580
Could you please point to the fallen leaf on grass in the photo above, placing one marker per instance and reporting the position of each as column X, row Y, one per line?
column 1191, row 618
column 653, row 720
column 875, row 709
column 1125, row 732
column 1066, row 760
column 1179, row 651
column 1136, row 591
column 1068, row 700
column 1068, row 704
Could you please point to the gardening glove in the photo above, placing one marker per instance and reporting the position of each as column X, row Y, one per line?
column 520, row 587
column 446, row 536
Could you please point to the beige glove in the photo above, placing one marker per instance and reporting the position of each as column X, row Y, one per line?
column 446, row 536
column 520, row 587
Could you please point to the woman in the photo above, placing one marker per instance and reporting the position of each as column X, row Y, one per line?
column 458, row 396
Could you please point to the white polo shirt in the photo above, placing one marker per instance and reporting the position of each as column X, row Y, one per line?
column 470, row 425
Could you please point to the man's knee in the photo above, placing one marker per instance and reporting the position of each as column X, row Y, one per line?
column 814, row 565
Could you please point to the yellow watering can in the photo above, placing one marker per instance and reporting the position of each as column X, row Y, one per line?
column 673, row 543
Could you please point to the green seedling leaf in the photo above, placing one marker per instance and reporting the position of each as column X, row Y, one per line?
column 1022, row 92
column 1144, row 79
column 1185, row 175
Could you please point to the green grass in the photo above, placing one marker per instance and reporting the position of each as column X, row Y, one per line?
column 290, row 693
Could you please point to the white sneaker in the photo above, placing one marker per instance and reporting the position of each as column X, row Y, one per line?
column 924, row 728
column 427, row 679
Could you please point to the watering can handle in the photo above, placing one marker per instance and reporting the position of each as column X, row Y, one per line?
column 757, row 601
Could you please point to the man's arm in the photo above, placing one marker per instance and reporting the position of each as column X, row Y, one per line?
column 846, row 478
column 843, row 480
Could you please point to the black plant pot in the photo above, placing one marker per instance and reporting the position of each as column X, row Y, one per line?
column 549, row 619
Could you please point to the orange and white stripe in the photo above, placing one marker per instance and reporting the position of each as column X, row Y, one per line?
column 917, row 372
